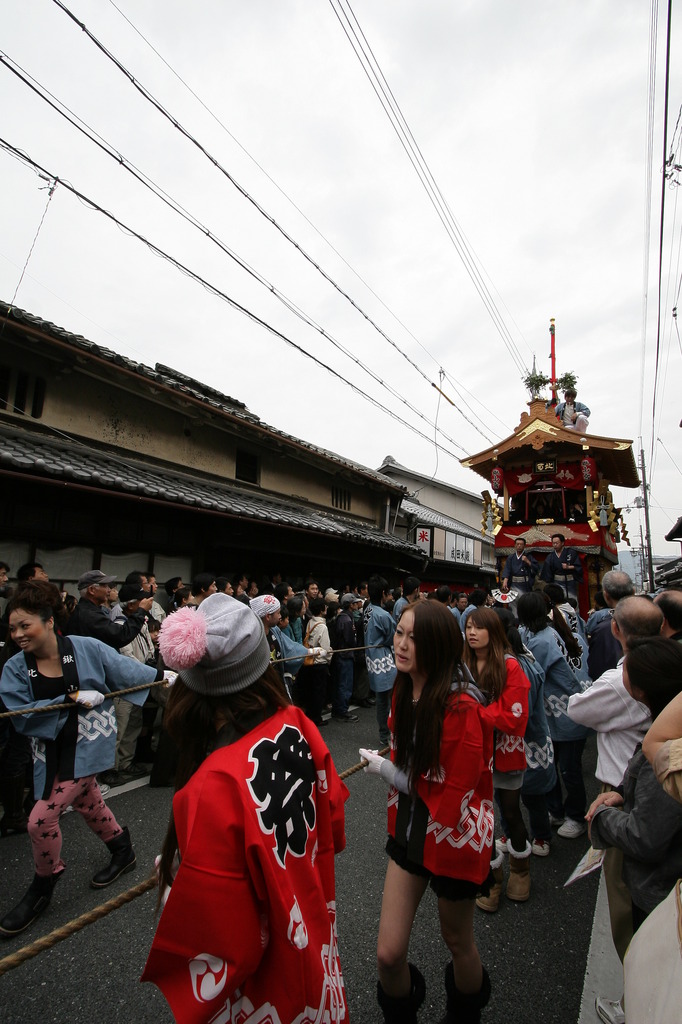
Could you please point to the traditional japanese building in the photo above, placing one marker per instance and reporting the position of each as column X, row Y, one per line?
column 108, row 463
column 443, row 521
column 545, row 479
column 668, row 572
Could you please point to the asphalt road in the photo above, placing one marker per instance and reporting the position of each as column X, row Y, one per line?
column 535, row 952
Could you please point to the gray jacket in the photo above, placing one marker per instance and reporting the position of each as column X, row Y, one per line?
column 648, row 829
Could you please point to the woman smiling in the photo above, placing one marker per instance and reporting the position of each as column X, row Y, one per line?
column 51, row 669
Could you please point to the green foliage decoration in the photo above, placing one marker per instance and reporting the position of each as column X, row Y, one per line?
column 535, row 382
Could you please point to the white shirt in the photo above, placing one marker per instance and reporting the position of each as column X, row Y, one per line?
column 619, row 720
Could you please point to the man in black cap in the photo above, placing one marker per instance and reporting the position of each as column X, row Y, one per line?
column 91, row 619
column 131, row 717
column 343, row 663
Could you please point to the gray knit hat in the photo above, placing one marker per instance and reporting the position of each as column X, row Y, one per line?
column 218, row 648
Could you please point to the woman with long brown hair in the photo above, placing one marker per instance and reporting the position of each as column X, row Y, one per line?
column 246, row 874
column 488, row 656
column 440, row 817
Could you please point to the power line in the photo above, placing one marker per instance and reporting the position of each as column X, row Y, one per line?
column 648, row 188
column 661, row 508
column 168, row 200
column 391, row 107
column 50, row 192
column 669, row 456
column 457, row 387
column 660, row 242
column 672, row 325
column 382, row 90
column 246, row 195
column 75, row 309
column 213, row 289
column 51, row 186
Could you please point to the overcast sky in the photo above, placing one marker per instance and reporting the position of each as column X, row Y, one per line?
column 532, row 117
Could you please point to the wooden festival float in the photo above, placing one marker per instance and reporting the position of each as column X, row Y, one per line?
column 545, row 479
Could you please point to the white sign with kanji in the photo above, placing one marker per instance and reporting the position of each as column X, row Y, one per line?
column 424, row 539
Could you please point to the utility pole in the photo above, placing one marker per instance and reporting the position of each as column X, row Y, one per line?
column 642, row 570
column 645, row 492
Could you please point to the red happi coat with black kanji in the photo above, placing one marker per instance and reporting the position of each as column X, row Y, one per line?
column 249, row 929
column 508, row 715
column 451, row 819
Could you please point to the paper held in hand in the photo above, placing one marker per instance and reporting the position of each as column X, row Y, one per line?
column 592, row 861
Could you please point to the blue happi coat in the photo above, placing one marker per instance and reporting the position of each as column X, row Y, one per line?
column 379, row 629
column 562, row 679
column 540, row 774
column 100, row 668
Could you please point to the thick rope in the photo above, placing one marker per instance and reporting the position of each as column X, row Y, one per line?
column 358, row 767
column 331, row 650
column 8, row 963
column 71, row 704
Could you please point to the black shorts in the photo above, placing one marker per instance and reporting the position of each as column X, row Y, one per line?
column 446, row 888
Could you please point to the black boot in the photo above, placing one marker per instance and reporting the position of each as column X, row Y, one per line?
column 36, row 899
column 122, row 859
column 403, row 1009
column 464, row 1008
column 12, row 794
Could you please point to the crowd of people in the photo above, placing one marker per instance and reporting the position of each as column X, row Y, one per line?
column 483, row 702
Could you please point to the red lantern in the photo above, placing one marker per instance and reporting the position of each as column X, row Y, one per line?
column 496, row 478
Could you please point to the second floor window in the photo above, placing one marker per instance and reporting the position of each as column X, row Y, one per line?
column 21, row 392
column 341, row 498
column 247, row 467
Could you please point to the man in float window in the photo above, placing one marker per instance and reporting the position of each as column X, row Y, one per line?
column 562, row 566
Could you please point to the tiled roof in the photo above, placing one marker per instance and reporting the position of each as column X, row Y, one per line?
column 676, row 532
column 106, row 469
column 389, row 466
column 193, row 389
column 668, row 573
column 433, row 518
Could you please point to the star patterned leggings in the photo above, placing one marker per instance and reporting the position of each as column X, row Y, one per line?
column 43, row 824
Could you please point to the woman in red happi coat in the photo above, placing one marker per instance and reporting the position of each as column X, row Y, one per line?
column 440, row 814
column 248, row 930
column 488, row 655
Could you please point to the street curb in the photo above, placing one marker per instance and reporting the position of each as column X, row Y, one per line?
column 603, row 970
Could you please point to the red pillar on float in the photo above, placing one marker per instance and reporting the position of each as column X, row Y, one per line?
column 552, row 356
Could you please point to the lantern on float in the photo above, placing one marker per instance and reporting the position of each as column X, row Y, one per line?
column 496, row 478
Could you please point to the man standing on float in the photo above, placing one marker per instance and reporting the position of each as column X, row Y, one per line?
column 520, row 569
column 562, row 566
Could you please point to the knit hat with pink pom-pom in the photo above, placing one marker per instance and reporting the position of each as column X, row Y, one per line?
column 218, row 648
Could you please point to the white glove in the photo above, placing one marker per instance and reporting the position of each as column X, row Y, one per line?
column 318, row 651
column 174, row 869
column 89, row 698
column 169, row 677
column 385, row 769
column 374, row 761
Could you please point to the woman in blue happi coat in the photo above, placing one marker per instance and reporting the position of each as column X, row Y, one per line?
column 562, row 678
column 540, row 776
column 71, row 744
